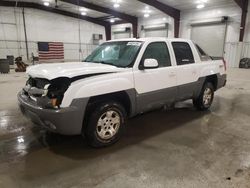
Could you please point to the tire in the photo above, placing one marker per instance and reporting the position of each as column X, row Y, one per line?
column 205, row 99
column 105, row 124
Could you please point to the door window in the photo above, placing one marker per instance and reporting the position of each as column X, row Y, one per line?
column 183, row 53
column 158, row 51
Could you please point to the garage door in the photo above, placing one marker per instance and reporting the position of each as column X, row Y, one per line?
column 210, row 37
column 156, row 30
column 122, row 34
column 156, row 33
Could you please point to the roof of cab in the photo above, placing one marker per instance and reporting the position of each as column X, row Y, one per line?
column 151, row 39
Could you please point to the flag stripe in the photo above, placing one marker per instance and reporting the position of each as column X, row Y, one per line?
column 52, row 53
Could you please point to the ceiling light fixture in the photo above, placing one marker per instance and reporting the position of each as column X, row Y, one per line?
column 200, row 6
column 147, row 12
column 201, row 1
column 112, row 20
column 83, row 13
column 46, row 3
column 83, row 9
column 116, row 5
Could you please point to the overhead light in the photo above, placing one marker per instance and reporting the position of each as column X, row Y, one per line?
column 164, row 19
column 83, row 9
column 20, row 139
column 116, row 5
column 83, row 13
column 46, row 3
column 112, row 20
column 147, row 12
column 199, row 6
column 201, row 1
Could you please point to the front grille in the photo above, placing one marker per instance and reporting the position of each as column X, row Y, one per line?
column 37, row 82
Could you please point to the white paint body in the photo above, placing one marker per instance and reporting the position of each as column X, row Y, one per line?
column 121, row 79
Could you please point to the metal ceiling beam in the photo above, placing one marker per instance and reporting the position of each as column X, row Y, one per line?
column 106, row 17
column 239, row 2
column 131, row 19
column 99, row 8
column 170, row 11
column 51, row 9
column 107, row 25
column 119, row 22
column 243, row 4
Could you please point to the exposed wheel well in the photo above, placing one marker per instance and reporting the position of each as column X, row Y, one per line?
column 212, row 79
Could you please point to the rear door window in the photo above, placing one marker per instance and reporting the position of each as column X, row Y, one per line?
column 183, row 53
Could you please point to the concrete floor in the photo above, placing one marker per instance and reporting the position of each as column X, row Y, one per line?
column 175, row 148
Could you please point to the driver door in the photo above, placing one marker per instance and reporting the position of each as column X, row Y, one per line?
column 157, row 86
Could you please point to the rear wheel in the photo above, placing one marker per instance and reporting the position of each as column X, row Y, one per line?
column 205, row 99
column 106, row 124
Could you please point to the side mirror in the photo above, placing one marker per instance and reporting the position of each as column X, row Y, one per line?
column 150, row 64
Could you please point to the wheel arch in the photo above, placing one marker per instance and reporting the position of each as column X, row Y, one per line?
column 213, row 79
column 125, row 98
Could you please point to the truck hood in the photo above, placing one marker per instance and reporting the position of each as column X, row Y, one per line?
column 70, row 70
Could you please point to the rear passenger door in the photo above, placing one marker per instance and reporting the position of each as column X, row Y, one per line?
column 155, row 87
column 186, row 70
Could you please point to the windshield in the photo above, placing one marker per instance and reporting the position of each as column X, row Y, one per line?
column 120, row 54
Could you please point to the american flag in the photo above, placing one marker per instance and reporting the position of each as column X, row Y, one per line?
column 50, row 51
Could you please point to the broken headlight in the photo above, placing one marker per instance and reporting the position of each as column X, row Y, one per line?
column 56, row 89
column 47, row 93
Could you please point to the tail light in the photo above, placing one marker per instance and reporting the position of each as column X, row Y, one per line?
column 225, row 64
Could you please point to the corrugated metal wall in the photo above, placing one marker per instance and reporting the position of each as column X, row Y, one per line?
column 231, row 49
column 233, row 53
column 246, row 50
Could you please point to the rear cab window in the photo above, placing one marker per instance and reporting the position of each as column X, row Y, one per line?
column 203, row 55
column 183, row 53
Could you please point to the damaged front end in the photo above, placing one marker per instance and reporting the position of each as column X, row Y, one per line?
column 47, row 93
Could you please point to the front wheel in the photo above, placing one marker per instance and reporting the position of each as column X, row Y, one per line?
column 106, row 124
column 205, row 99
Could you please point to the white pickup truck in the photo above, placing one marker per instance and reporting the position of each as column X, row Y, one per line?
column 120, row 79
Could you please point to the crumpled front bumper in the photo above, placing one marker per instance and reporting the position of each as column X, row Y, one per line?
column 66, row 121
